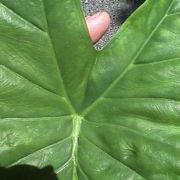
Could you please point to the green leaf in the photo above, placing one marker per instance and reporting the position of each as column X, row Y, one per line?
column 109, row 114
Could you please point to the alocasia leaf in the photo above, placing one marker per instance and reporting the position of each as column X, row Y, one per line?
column 112, row 114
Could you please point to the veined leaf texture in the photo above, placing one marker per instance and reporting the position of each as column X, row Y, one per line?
column 112, row 114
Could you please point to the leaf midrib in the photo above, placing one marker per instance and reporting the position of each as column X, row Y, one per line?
column 131, row 64
column 76, row 120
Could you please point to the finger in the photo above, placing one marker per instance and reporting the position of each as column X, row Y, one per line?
column 97, row 25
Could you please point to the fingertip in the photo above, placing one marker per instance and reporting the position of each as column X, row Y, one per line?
column 98, row 25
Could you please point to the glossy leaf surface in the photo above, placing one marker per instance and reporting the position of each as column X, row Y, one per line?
column 109, row 114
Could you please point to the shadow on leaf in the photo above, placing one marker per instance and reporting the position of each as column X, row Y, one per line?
column 27, row 172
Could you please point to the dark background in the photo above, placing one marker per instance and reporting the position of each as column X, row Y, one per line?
column 119, row 10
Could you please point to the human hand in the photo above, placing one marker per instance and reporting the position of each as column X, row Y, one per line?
column 97, row 25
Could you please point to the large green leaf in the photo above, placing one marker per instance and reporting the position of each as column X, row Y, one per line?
column 112, row 114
